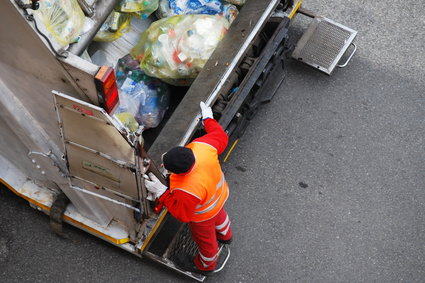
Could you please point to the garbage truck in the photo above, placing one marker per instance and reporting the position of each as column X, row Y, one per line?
column 65, row 152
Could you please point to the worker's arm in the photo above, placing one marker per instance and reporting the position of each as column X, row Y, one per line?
column 180, row 204
column 215, row 135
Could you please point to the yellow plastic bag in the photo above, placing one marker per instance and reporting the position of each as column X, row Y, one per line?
column 113, row 28
column 127, row 119
column 64, row 19
column 175, row 49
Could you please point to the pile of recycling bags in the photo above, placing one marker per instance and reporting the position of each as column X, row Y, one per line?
column 119, row 20
column 173, row 50
column 65, row 20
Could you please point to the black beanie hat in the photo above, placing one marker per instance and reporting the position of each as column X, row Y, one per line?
column 179, row 159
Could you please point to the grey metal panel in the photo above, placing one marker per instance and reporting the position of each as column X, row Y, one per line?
column 14, row 153
column 90, row 126
column 252, row 17
column 119, row 213
column 89, row 206
column 83, row 73
column 30, row 133
column 29, row 70
column 323, row 44
column 27, row 130
column 96, row 150
column 28, row 73
column 101, row 171
column 22, row 48
column 11, row 174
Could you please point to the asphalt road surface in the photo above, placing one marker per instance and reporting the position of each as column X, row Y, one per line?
column 327, row 184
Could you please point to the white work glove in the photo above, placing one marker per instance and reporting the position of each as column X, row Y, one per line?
column 206, row 111
column 154, row 186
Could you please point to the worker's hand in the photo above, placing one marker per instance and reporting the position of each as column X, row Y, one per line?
column 206, row 111
column 154, row 185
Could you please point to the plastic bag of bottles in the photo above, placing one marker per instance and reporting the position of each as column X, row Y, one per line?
column 144, row 97
column 142, row 7
column 64, row 19
column 113, row 28
column 236, row 2
column 175, row 49
column 169, row 8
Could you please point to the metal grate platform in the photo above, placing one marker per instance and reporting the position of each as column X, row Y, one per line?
column 183, row 243
column 323, row 44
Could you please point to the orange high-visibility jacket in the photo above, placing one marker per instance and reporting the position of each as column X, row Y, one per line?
column 204, row 181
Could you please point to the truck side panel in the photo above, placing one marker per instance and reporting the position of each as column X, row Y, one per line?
column 30, row 71
column 12, row 158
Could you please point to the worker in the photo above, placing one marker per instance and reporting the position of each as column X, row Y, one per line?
column 197, row 194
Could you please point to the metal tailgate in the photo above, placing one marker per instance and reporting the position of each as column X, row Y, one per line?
column 101, row 161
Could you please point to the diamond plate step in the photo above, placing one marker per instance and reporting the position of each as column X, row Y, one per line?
column 324, row 43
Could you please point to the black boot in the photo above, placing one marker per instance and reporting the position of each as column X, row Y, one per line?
column 225, row 242
column 186, row 262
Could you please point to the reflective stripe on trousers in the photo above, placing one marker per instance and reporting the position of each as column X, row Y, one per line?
column 208, row 261
column 205, row 234
column 224, row 227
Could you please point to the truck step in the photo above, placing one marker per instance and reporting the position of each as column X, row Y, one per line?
column 324, row 43
column 183, row 243
column 179, row 241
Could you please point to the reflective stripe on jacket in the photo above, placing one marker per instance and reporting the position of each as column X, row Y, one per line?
column 205, row 181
